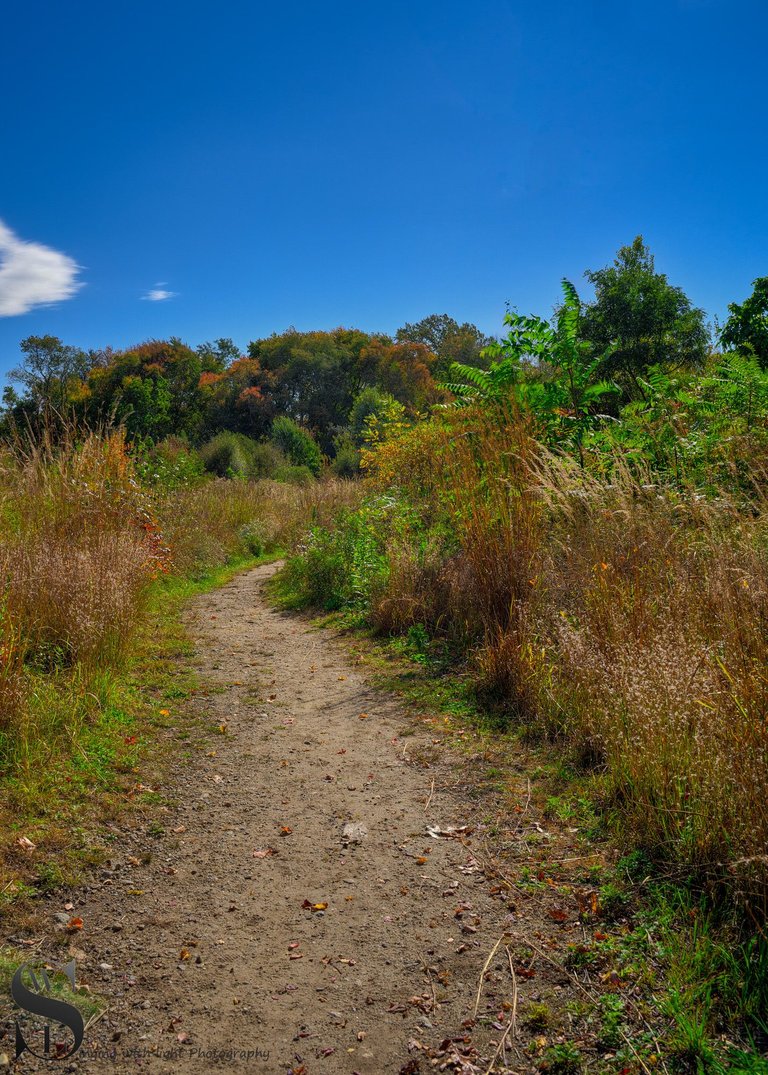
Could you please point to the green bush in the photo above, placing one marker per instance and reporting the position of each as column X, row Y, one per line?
column 228, row 455
column 267, row 459
column 294, row 475
column 343, row 567
column 253, row 538
column 346, row 462
column 297, row 444
column 169, row 464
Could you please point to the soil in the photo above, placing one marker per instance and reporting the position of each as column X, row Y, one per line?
column 320, row 898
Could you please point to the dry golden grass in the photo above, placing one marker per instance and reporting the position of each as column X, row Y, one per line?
column 76, row 551
column 81, row 541
column 204, row 525
column 629, row 618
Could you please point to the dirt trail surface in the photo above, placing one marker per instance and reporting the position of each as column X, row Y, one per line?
column 306, row 906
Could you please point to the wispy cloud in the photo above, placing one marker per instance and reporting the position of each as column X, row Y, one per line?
column 32, row 274
column 159, row 294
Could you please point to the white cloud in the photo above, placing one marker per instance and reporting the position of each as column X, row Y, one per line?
column 159, row 294
column 32, row 275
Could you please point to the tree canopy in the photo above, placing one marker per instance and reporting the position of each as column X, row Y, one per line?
column 638, row 319
column 747, row 326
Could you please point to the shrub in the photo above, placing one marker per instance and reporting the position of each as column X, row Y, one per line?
column 294, row 475
column 622, row 614
column 346, row 462
column 297, row 444
column 266, row 460
column 229, row 455
column 171, row 463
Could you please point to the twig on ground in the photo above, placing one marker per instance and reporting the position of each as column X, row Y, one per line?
column 511, row 1028
column 482, row 974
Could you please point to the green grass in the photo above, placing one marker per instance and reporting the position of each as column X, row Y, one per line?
column 88, row 1004
column 98, row 736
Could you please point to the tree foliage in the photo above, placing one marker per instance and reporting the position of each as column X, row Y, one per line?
column 638, row 320
column 747, row 326
column 448, row 340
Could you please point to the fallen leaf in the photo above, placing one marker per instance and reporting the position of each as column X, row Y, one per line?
column 314, row 906
column 185, row 954
column 362, row 716
column 74, row 924
column 165, row 712
column 264, row 852
column 285, row 830
column 557, row 915
column 25, row 844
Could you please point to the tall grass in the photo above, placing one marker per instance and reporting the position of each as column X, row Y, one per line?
column 626, row 617
column 208, row 523
column 77, row 548
column 82, row 540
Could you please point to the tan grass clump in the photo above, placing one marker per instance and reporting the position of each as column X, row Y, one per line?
column 627, row 617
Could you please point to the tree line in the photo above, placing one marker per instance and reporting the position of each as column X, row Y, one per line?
column 332, row 387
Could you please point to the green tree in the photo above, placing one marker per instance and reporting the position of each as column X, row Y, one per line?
column 564, row 399
column 216, row 356
column 297, row 444
column 315, row 376
column 638, row 320
column 153, row 389
column 47, row 371
column 747, row 326
column 448, row 340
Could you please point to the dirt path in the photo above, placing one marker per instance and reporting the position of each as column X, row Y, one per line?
column 263, row 936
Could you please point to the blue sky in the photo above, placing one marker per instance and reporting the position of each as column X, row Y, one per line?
column 346, row 163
